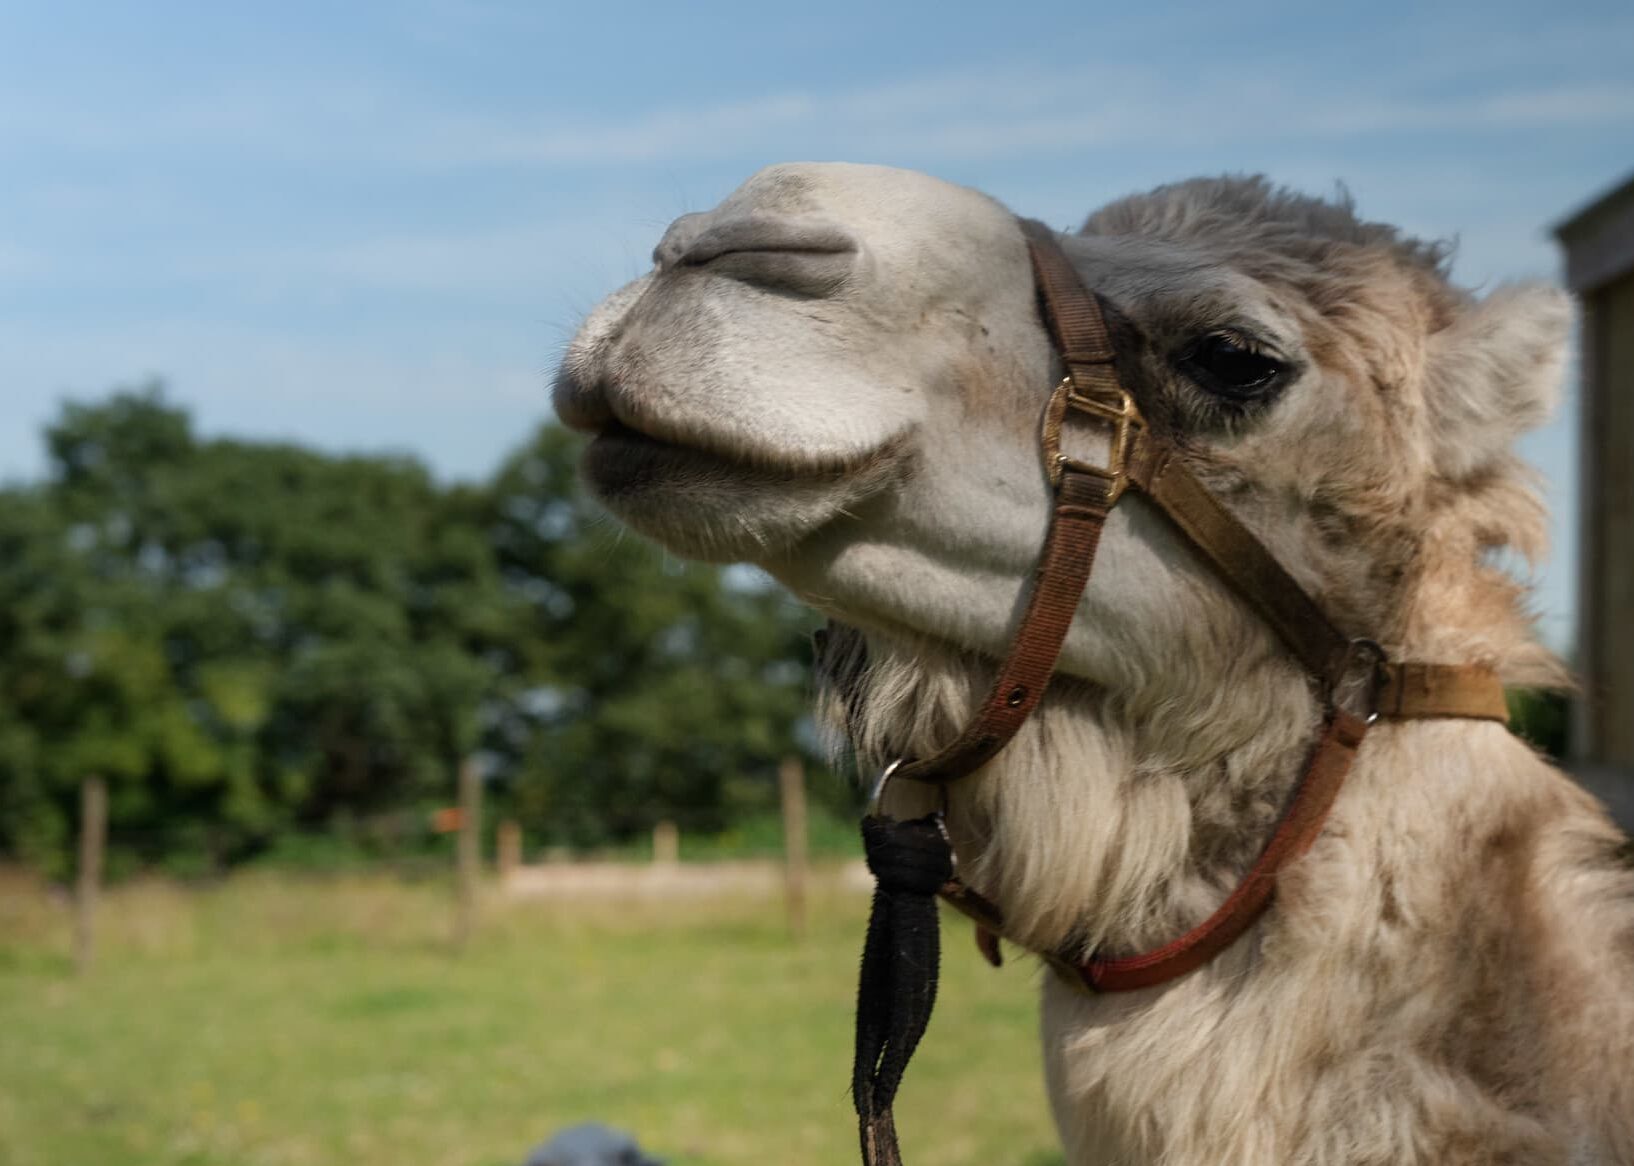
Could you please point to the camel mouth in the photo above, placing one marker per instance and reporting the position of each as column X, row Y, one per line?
column 624, row 459
column 719, row 508
column 621, row 459
column 620, row 433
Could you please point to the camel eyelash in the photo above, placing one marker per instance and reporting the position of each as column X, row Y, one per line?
column 1233, row 367
column 1248, row 341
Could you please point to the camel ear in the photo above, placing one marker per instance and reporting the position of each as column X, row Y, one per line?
column 1495, row 373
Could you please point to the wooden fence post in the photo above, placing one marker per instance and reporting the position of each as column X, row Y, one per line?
column 508, row 843
column 468, row 854
column 93, row 839
column 791, row 783
column 666, row 844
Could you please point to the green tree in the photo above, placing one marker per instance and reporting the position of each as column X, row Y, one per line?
column 649, row 688
column 251, row 638
column 88, row 683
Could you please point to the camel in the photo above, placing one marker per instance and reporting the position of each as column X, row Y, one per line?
column 837, row 374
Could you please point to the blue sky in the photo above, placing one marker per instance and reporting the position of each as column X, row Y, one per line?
column 374, row 225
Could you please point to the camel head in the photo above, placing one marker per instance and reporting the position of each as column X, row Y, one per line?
column 838, row 374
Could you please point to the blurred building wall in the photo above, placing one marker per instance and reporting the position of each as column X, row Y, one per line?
column 1599, row 245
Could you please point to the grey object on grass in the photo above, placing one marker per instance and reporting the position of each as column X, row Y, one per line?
column 591, row 1144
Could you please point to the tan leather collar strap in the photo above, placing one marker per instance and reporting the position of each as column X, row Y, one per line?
column 1301, row 823
column 1411, row 691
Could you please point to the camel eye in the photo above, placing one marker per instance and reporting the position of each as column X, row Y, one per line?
column 1228, row 365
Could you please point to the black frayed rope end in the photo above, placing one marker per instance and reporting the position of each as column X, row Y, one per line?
column 910, row 861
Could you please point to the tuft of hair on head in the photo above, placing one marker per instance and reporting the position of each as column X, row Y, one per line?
column 1249, row 212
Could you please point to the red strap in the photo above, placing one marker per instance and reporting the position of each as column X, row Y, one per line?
column 1300, row 825
column 1299, row 828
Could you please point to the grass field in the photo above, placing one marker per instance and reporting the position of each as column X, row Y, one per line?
column 276, row 1021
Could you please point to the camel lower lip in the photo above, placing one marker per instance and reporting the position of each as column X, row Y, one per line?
column 623, row 458
column 705, row 505
column 620, row 460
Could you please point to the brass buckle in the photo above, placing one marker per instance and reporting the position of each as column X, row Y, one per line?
column 1117, row 411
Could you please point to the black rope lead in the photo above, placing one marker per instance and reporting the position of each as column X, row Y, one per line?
column 910, row 861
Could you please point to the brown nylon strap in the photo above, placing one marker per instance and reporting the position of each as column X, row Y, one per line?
column 1073, row 314
column 1081, row 505
column 1080, row 332
column 1082, row 502
column 1239, row 557
column 1405, row 690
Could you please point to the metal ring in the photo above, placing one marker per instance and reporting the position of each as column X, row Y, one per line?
column 876, row 798
column 1358, row 695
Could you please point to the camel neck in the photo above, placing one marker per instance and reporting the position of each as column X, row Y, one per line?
column 1109, row 823
column 1104, row 833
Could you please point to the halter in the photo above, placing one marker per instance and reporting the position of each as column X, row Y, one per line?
column 1357, row 681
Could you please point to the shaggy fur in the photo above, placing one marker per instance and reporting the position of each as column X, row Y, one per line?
column 1448, row 975
column 1445, row 978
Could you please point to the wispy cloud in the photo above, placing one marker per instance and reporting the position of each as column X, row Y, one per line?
column 960, row 115
column 1001, row 114
column 514, row 259
column 1560, row 106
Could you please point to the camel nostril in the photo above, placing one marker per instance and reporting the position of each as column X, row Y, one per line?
column 693, row 242
column 792, row 253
